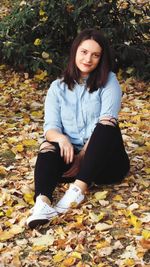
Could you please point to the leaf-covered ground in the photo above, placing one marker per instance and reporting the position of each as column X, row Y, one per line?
column 112, row 227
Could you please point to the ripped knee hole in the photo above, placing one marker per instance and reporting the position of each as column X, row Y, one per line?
column 46, row 147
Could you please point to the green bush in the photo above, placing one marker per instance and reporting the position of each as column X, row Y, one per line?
column 38, row 34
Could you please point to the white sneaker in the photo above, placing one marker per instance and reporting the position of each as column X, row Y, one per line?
column 72, row 196
column 41, row 213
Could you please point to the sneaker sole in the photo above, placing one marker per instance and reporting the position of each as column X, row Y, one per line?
column 38, row 222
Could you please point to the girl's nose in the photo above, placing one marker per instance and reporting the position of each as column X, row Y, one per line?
column 88, row 58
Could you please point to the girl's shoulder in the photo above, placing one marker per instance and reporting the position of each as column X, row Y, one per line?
column 112, row 79
column 111, row 75
column 58, row 85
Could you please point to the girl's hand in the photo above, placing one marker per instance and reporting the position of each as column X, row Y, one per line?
column 66, row 149
column 75, row 166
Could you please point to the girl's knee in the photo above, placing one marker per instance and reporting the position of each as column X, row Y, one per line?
column 46, row 147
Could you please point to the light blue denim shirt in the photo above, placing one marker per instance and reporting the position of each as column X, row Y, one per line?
column 75, row 113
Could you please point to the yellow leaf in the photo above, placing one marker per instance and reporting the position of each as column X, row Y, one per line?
column 8, row 224
column 5, row 235
column 43, row 19
column 12, row 140
column 137, row 118
column 102, row 244
column 1, row 213
column 41, row 75
column 39, row 248
column 26, row 120
column 101, row 195
column 101, row 216
column 133, row 220
column 127, row 213
column 9, row 212
column 28, row 197
column 146, row 234
column 129, row 262
column 37, row 114
column 41, row 12
column 76, row 255
column 2, row 171
column 118, row 198
column 2, row 67
column 49, row 61
column 29, row 142
column 124, row 87
column 19, row 148
column 69, row 261
column 96, row 218
column 16, row 229
column 130, row 70
column 45, row 55
column 101, row 265
column 59, row 256
column 80, row 248
column 147, row 170
column 93, row 217
column 37, row 42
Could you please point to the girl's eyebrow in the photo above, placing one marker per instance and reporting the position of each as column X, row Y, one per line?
column 82, row 48
column 97, row 53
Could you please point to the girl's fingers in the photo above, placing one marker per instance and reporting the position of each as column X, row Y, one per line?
column 71, row 155
column 61, row 151
column 67, row 153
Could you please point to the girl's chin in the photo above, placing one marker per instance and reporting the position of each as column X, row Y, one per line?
column 84, row 72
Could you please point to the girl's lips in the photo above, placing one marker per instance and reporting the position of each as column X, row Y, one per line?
column 86, row 65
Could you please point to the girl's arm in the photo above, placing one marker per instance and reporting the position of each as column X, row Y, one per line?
column 52, row 123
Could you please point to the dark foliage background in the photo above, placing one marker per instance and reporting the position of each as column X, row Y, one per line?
column 38, row 34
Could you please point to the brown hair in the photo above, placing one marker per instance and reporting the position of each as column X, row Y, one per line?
column 98, row 77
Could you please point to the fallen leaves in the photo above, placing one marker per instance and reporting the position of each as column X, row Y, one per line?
column 42, row 242
column 112, row 227
column 8, row 234
column 102, row 226
column 101, row 195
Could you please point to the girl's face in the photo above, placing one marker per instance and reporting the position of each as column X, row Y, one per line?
column 87, row 56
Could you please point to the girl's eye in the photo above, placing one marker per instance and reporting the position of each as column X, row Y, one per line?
column 83, row 52
column 96, row 55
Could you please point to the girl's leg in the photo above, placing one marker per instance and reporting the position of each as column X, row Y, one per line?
column 105, row 160
column 48, row 169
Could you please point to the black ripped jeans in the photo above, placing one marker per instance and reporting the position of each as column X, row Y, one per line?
column 105, row 162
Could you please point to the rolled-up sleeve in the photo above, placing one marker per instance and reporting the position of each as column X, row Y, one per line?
column 52, row 118
column 111, row 98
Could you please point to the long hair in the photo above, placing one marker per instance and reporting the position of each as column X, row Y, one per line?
column 98, row 77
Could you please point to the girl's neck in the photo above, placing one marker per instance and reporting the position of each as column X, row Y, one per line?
column 83, row 79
